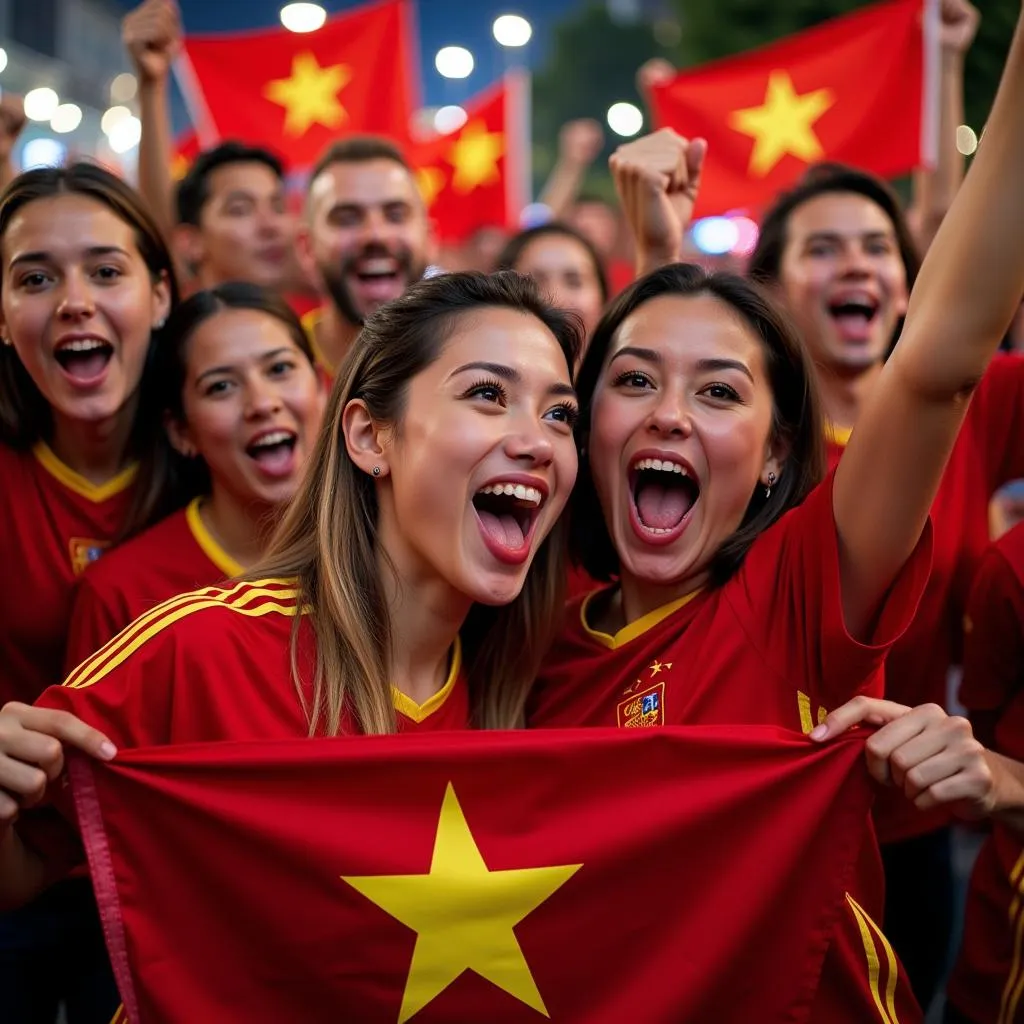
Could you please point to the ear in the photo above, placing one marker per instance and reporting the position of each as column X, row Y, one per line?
column 775, row 455
column 188, row 244
column 304, row 255
column 180, row 436
column 365, row 441
column 161, row 300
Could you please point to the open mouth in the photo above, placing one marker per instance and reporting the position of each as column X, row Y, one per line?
column 664, row 493
column 274, row 452
column 508, row 513
column 854, row 317
column 84, row 359
column 379, row 278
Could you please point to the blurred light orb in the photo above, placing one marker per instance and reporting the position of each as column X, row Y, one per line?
column 123, row 88
column 449, row 119
column 125, row 135
column 454, row 62
column 303, row 17
column 966, row 140
column 42, row 152
column 625, row 119
column 41, row 104
column 715, row 236
column 66, row 118
column 511, row 30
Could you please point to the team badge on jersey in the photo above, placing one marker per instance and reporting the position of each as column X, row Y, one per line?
column 85, row 551
column 642, row 709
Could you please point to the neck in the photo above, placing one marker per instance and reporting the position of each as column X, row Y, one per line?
column 241, row 528
column 843, row 395
column 97, row 451
column 334, row 336
column 637, row 598
column 425, row 616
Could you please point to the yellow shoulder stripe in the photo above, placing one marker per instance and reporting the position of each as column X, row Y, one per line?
column 868, row 931
column 239, row 598
column 1015, row 978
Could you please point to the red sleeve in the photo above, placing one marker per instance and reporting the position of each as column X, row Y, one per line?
column 993, row 636
column 997, row 418
column 98, row 614
column 790, row 601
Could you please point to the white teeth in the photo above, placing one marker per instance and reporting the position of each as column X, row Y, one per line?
column 379, row 266
column 275, row 437
column 82, row 345
column 518, row 491
column 661, row 466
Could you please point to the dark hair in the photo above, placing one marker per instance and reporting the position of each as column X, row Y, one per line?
column 328, row 537
column 189, row 478
column 796, row 421
column 193, row 190
column 359, row 149
column 765, row 262
column 517, row 244
column 25, row 416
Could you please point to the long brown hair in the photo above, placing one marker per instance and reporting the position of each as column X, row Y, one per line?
column 328, row 540
column 25, row 415
column 796, row 414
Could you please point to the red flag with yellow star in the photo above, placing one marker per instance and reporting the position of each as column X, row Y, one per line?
column 476, row 176
column 856, row 89
column 186, row 149
column 296, row 93
column 593, row 875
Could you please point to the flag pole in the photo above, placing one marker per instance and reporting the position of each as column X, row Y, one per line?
column 195, row 102
column 930, row 91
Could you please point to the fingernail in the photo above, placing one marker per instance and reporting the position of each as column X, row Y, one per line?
column 107, row 750
column 819, row 732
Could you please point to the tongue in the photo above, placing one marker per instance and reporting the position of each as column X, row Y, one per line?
column 275, row 459
column 662, row 507
column 503, row 529
column 85, row 365
column 853, row 326
column 381, row 288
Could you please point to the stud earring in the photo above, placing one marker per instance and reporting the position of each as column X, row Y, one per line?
column 376, row 470
column 159, row 324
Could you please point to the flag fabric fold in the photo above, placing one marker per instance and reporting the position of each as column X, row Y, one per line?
column 856, row 89
column 296, row 93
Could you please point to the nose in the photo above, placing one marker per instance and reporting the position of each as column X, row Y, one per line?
column 670, row 417
column 856, row 262
column 76, row 300
column 261, row 399
column 530, row 442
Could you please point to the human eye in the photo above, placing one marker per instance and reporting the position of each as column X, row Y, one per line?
column 217, row 388
column 565, row 412
column 633, row 380
column 721, row 392
column 488, row 390
column 281, row 368
column 33, row 280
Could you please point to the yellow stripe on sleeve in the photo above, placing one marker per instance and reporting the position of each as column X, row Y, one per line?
column 1015, row 979
column 867, row 927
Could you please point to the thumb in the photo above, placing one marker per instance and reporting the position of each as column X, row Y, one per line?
column 695, row 154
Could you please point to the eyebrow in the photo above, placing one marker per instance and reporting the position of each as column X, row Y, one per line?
column 702, row 366
column 273, row 354
column 41, row 256
column 512, row 375
column 835, row 236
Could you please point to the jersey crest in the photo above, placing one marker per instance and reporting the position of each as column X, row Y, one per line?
column 85, row 551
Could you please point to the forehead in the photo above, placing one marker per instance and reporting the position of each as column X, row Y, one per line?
column 364, row 183
column 555, row 251
column 839, row 213
column 65, row 223
column 234, row 336
column 244, row 176
column 686, row 328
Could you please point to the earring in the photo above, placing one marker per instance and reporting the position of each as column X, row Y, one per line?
column 771, row 484
column 159, row 324
column 376, row 470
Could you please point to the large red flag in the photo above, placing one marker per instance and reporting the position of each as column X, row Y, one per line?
column 295, row 93
column 691, row 875
column 477, row 176
column 856, row 89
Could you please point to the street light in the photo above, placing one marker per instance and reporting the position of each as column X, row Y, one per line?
column 512, row 30
column 66, row 118
column 41, row 104
column 454, row 62
column 625, row 119
column 303, row 17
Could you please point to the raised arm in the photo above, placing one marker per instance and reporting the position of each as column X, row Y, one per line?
column 152, row 37
column 579, row 143
column 12, row 120
column 962, row 303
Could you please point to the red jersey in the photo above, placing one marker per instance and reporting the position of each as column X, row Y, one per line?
column 987, row 983
column 767, row 647
column 987, row 454
column 173, row 557
column 53, row 523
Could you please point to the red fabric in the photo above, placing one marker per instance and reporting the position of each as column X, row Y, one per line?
column 476, row 177
column 186, row 149
column 865, row 69
column 986, row 455
column 51, row 527
column 988, row 981
column 164, row 561
column 767, row 647
column 700, row 871
column 358, row 68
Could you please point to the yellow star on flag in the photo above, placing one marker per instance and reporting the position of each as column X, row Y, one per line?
column 474, row 156
column 463, row 914
column 430, row 181
column 783, row 123
column 310, row 94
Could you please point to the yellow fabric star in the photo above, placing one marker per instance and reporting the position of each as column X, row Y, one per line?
column 463, row 914
column 310, row 94
column 474, row 156
column 430, row 181
column 782, row 124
